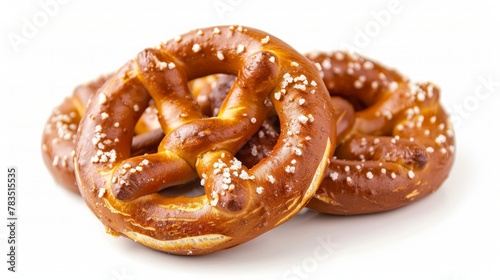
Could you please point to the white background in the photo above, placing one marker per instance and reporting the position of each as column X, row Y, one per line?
column 452, row 234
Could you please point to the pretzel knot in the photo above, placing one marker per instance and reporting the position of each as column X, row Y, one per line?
column 240, row 203
column 395, row 143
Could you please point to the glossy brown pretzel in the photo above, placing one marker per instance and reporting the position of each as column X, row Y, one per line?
column 240, row 203
column 400, row 146
column 395, row 142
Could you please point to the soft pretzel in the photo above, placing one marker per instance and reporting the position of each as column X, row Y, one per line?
column 240, row 203
column 60, row 130
column 395, row 142
column 400, row 147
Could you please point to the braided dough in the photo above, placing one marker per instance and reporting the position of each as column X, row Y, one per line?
column 240, row 203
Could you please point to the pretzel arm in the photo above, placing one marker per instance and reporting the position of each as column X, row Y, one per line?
column 384, row 149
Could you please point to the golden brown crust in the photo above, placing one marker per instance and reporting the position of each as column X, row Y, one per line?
column 240, row 203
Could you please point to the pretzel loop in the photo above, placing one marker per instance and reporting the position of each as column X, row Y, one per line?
column 400, row 147
column 240, row 203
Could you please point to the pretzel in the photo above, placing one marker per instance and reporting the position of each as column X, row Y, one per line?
column 400, row 147
column 395, row 142
column 240, row 203
column 61, row 126
column 60, row 131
